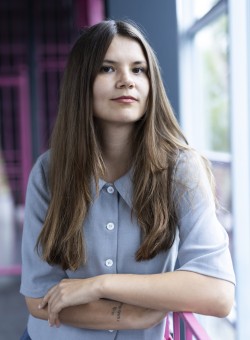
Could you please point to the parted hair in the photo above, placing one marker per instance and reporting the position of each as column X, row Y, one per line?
column 76, row 156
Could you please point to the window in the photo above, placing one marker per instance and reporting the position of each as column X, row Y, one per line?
column 200, row 8
column 211, row 95
column 205, row 107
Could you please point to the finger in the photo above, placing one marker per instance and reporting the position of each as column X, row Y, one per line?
column 53, row 319
column 54, row 322
column 54, row 308
column 58, row 323
column 46, row 298
column 43, row 303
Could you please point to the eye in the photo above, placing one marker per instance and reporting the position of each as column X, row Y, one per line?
column 138, row 70
column 106, row 69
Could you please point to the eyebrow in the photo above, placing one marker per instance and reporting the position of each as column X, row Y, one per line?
column 113, row 62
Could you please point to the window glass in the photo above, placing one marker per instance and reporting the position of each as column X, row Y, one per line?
column 211, row 86
column 201, row 7
column 222, row 172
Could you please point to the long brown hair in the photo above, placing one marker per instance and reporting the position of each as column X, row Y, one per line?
column 76, row 156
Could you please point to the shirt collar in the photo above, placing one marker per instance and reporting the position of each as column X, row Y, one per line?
column 101, row 184
column 123, row 185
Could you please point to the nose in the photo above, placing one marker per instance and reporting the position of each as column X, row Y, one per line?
column 125, row 81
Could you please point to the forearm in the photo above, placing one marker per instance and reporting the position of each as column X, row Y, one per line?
column 105, row 314
column 176, row 291
column 101, row 314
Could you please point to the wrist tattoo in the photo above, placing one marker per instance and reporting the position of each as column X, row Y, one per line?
column 116, row 311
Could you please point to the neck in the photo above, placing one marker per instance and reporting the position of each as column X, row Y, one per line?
column 116, row 143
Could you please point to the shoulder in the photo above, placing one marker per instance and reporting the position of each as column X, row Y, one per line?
column 42, row 162
column 39, row 172
column 191, row 169
column 192, row 182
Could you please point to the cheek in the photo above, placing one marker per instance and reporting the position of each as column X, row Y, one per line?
column 146, row 88
column 146, row 93
column 98, row 94
column 100, row 99
column 146, row 96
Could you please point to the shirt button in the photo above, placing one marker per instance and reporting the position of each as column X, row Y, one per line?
column 110, row 226
column 109, row 263
column 110, row 190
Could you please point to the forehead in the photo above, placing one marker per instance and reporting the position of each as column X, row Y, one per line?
column 125, row 48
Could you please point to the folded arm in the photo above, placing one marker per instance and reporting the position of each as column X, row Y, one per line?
column 101, row 314
column 175, row 291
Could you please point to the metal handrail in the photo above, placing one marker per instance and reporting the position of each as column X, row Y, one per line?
column 191, row 327
column 11, row 270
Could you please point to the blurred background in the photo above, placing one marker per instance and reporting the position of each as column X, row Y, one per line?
column 203, row 47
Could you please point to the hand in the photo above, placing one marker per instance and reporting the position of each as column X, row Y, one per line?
column 69, row 292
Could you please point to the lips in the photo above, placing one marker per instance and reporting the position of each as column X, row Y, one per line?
column 125, row 99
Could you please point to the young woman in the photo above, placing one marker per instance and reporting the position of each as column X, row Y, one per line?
column 120, row 223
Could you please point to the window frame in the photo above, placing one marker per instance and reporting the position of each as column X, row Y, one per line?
column 240, row 146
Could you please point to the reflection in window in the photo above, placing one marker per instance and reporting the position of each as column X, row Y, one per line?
column 211, row 53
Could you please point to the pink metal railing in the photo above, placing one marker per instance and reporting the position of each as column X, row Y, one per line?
column 191, row 327
column 11, row 270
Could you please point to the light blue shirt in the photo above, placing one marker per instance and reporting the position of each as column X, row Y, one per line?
column 112, row 239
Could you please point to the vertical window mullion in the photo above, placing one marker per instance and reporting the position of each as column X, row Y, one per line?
column 239, row 12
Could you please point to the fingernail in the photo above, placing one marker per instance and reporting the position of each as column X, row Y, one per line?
column 49, row 323
column 39, row 306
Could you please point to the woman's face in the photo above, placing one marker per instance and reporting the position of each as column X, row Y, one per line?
column 121, row 88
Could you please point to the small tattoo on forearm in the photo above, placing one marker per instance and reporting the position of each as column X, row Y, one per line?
column 113, row 310
column 117, row 311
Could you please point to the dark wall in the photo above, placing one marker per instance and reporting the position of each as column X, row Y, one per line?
column 158, row 19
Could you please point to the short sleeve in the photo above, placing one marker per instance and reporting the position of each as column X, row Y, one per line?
column 204, row 244
column 37, row 275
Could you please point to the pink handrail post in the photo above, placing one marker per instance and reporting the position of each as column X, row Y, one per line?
column 191, row 326
column 177, row 328
column 167, row 335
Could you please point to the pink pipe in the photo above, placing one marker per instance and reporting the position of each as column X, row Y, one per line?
column 95, row 11
column 176, row 318
column 192, row 327
column 25, row 130
column 11, row 270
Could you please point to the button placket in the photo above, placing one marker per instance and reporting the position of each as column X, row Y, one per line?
column 110, row 219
